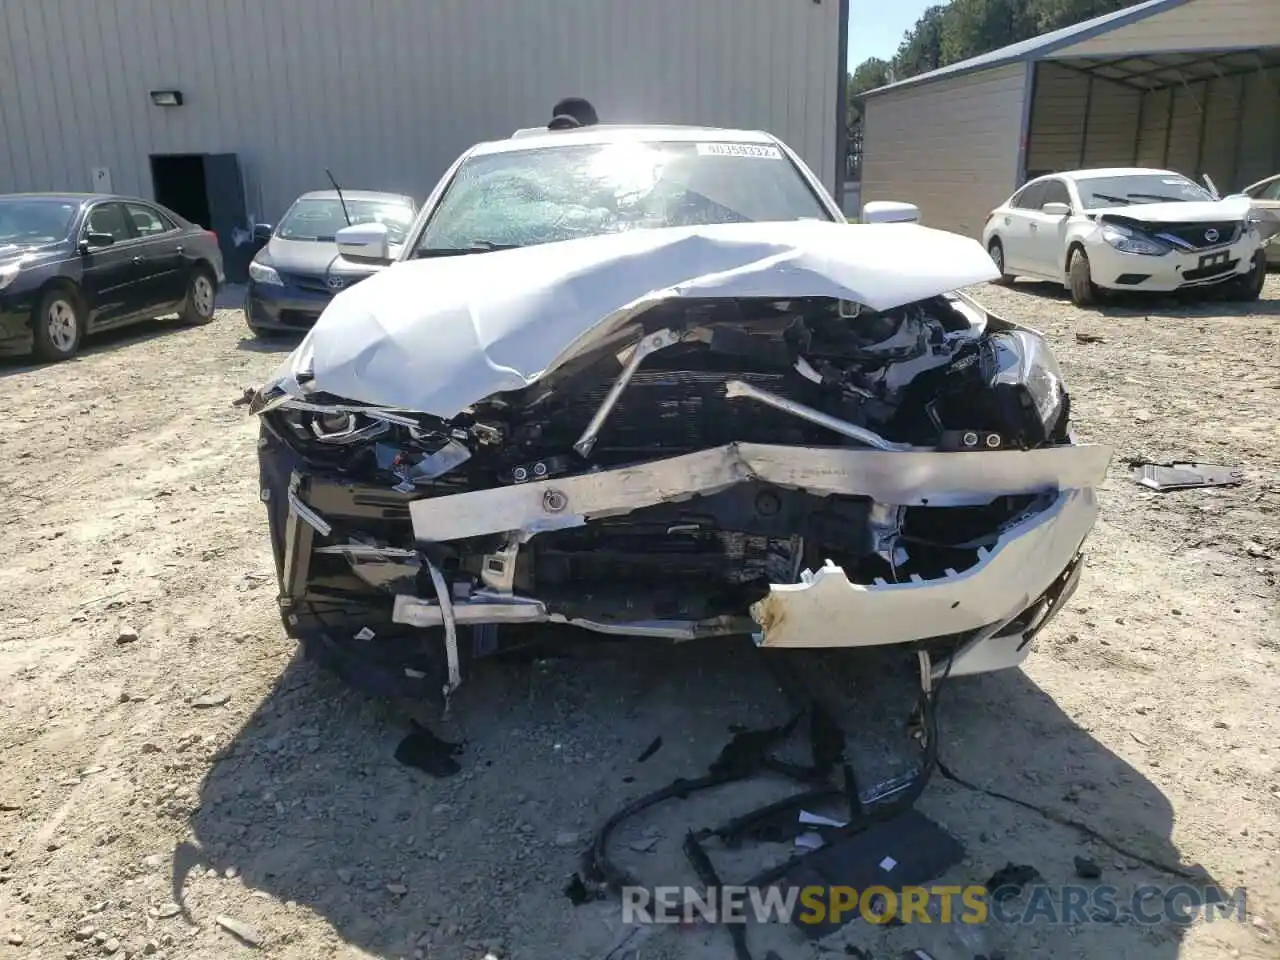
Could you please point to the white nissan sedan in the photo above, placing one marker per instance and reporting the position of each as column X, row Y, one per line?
column 1127, row 229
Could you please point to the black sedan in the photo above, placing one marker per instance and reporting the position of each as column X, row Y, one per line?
column 298, row 271
column 74, row 264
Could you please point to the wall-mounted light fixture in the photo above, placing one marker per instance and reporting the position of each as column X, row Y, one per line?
column 166, row 98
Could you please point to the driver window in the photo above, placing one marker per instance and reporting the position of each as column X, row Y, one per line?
column 1055, row 191
column 1029, row 198
column 108, row 218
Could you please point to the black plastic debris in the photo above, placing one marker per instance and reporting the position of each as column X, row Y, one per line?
column 904, row 851
column 650, row 750
column 1008, row 881
column 424, row 751
column 577, row 891
column 1185, row 476
column 1087, row 869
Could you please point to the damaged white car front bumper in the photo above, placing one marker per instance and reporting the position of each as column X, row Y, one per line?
column 821, row 608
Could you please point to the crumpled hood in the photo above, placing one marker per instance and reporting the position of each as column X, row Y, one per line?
column 1195, row 211
column 438, row 335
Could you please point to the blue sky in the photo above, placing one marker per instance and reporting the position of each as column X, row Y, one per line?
column 876, row 26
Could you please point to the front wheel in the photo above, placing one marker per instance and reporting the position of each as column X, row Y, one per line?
column 996, row 251
column 58, row 325
column 1080, row 278
column 1248, row 288
column 198, row 305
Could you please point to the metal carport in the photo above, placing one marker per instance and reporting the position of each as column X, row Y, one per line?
column 1192, row 85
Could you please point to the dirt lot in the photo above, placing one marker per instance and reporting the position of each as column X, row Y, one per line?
column 129, row 499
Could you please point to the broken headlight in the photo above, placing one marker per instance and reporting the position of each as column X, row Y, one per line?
column 1026, row 384
column 337, row 427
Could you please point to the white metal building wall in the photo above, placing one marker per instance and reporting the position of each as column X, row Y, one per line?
column 1197, row 25
column 950, row 146
column 386, row 94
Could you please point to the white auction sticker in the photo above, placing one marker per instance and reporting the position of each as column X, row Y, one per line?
column 752, row 151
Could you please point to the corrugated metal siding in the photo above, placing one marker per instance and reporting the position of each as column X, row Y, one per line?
column 1078, row 123
column 1228, row 127
column 1197, row 25
column 950, row 147
column 387, row 94
column 1059, row 105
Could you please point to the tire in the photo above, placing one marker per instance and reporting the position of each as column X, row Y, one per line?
column 1248, row 288
column 57, row 326
column 201, row 299
column 996, row 250
column 1080, row 279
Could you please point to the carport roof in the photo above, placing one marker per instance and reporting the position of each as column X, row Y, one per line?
column 1036, row 48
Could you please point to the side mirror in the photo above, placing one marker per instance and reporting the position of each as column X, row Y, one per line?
column 1053, row 209
column 262, row 232
column 366, row 242
column 96, row 240
column 890, row 211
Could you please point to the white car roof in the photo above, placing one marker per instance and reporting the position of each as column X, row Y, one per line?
column 533, row 138
column 1117, row 172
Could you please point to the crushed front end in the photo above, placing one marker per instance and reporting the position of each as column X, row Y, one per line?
column 808, row 472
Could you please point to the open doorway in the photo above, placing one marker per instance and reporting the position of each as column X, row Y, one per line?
column 179, row 182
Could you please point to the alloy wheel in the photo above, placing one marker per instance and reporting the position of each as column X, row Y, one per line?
column 202, row 295
column 60, row 321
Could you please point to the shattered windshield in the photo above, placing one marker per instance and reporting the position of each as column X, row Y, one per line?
column 528, row 197
column 319, row 219
column 1096, row 192
column 29, row 220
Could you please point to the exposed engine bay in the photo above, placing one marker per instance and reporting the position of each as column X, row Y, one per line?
column 673, row 558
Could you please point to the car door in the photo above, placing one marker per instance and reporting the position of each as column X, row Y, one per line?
column 1047, row 242
column 109, row 274
column 158, row 244
column 1015, row 233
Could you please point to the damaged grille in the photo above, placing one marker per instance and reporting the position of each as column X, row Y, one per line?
column 1199, row 236
column 678, row 411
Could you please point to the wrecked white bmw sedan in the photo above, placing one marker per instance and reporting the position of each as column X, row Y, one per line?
column 647, row 381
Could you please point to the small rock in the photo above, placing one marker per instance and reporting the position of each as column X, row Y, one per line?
column 15, row 939
column 111, row 946
column 10, row 806
column 1143, row 708
column 566, row 838
column 126, row 635
column 85, row 933
column 1259, row 923
column 239, row 929
column 231, row 873
column 1087, row 869
column 166, row 910
column 210, row 700
column 100, row 938
column 154, row 861
column 151, row 748
column 344, row 875
column 1221, row 724
column 399, row 889
column 150, row 947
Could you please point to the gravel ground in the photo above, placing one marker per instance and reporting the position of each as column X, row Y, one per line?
column 167, row 760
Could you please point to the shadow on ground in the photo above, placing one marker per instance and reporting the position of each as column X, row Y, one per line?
column 310, row 806
column 1162, row 305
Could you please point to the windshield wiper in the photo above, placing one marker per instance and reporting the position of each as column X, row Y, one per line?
column 1158, row 197
column 1108, row 197
column 476, row 246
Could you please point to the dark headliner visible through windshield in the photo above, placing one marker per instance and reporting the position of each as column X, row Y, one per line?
column 527, row 197
column 35, row 219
